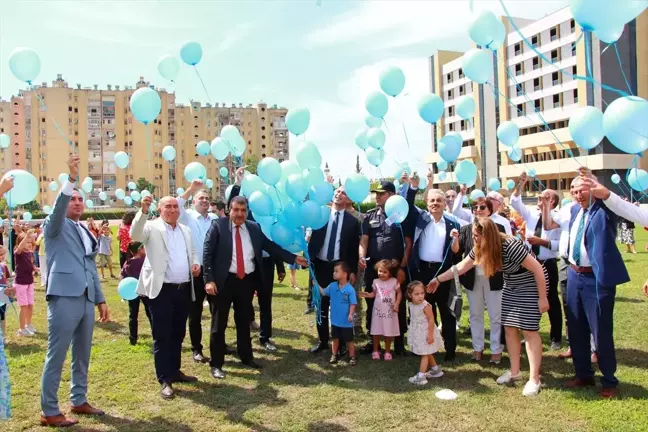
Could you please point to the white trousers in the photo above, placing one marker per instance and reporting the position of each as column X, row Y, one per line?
column 479, row 296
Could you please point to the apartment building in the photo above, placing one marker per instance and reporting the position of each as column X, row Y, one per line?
column 97, row 123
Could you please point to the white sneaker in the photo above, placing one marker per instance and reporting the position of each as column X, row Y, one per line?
column 418, row 379
column 531, row 388
column 24, row 332
column 31, row 328
column 434, row 372
column 507, row 378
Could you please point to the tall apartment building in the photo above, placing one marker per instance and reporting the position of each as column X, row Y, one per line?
column 98, row 123
column 12, row 123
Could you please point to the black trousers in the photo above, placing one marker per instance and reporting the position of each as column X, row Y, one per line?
column 555, row 311
column 169, row 312
column 399, row 341
column 439, row 301
column 264, row 297
column 237, row 292
column 195, row 313
column 133, row 315
column 324, row 276
column 309, row 296
column 562, row 277
column 123, row 257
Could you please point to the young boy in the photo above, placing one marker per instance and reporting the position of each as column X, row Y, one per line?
column 105, row 250
column 343, row 304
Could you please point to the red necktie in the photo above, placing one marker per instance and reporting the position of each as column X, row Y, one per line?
column 240, row 265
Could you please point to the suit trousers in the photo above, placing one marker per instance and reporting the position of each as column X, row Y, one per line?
column 439, row 301
column 324, row 276
column 590, row 308
column 169, row 312
column 399, row 341
column 555, row 312
column 563, row 266
column 133, row 317
column 70, row 321
column 237, row 292
column 195, row 313
column 264, row 298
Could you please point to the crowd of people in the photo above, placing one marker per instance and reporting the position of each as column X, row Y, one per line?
column 510, row 259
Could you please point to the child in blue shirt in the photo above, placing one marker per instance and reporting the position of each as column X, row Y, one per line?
column 343, row 304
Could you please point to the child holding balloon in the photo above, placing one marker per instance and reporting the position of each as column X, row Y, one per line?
column 24, row 281
column 133, row 268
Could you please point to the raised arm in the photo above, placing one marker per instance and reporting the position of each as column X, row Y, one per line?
column 139, row 231
column 54, row 222
column 185, row 218
column 516, row 199
column 626, row 209
column 548, row 221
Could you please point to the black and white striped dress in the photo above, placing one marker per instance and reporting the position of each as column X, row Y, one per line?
column 520, row 293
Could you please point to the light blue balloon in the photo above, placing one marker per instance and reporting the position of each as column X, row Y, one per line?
column 152, row 207
column 46, row 209
column 442, row 175
column 477, row 194
column 625, row 124
column 144, row 193
column 128, row 201
column 269, row 170
column 251, row 183
column 357, row 187
column 531, row 172
column 297, row 187
column 375, row 156
column 515, row 154
column 169, row 153
column 313, row 176
column 586, row 127
column 377, row 104
column 422, row 183
column 103, row 196
column 27, row 216
column 210, row 183
column 145, row 104
column 260, row 203
column 180, row 191
column 131, row 185
column 282, row 235
column 238, row 146
column 376, row 138
column 321, row 193
column 310, row 211
column 323, row 218
column 308, row 156
column 191, row 53
column 202, row 148
column 392, row 80
column 24, row 190
column 127, row 288
column 466, row 173
column 168, row 67
column 494, row 184
column 510, row 184
column 195, row 171
column 24, row 64
column 298, row 120
column 219, row 148
column 565, row 202
column 397, row 184
column 442, row 165
column 86, row 185
column 291, row 215
column 430, row 108
column 53, row 186
column 611, row 34
column 508, row 133
column 361, row 138
column 466, row 107
column 135, row 196
column 450, row 146
column 372, row 121
column 223, row 171
column 484, row 30
column 288, row 168
column 477, row 65
column 616, row 179
column 120, row 194
column 63, row 177
column 89, row 203
column 121, row 159
column 230, row 133
column 638, row 179
column 595, row 15
column 4, row 141
column 396, row 209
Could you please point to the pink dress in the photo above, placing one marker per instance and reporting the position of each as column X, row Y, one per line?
column 384, row 321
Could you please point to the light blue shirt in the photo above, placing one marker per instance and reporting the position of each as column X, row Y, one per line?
column 198, row 224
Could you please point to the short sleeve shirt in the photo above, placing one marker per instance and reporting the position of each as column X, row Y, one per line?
column 341, row 301
column 385, row 240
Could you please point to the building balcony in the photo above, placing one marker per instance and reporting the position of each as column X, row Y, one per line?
column 568, row 167
column 469, row 152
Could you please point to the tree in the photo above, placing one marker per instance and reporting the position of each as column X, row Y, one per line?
column 252, row 163
column 358, row 170
column 142, row 184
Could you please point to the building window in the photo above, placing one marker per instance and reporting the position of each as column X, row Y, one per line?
column 462, row 90
column 553, row 33
column 519, row 90
column 536, row 63
column 556, row 100
column 554, row 56
column 463, row 124
column 537, row 104
column 519, row 68
column 573, row 50
column 572, row 25
column 555, row 78
column 575, row 95
column 450, row 94
column 451, row 111
column 536, row 84
column 451, row 127
column 449, row 77
column 461, row 74
column 518, row 48
column 535, row 41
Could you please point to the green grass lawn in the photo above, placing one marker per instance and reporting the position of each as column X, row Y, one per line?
column 298, row 391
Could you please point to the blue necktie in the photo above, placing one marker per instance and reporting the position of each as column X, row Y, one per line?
column 330, row 254
column 579, row 238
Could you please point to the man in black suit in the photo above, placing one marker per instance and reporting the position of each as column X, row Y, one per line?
column 232, row 268
column 338, row 240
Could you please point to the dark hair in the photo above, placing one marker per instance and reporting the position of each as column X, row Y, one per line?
column 412, row 286
column 220, row 205
column 127, row 218
column 485, row 201
column 238, row 200
column 391, row 265
column 133, row 248
column 345, row 268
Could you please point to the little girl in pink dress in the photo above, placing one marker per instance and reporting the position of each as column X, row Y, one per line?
column 387, row 294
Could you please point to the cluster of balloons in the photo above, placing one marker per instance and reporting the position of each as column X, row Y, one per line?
column 169, row 66
column 604, row 18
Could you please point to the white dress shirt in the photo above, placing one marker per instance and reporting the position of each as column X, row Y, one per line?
column 626, row 210
column 584, row 259
column 562, row 218
column 531, row 217
column 68, row 189
column 248, row 249
column 177, row 270
column 198, row 224
column 432, row 241
column 323, row 254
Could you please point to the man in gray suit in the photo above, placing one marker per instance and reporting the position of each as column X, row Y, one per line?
column 73, row 290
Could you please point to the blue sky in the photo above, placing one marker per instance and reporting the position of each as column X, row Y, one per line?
column 325, row 56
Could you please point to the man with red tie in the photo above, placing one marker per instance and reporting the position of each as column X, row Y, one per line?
column 232, row 269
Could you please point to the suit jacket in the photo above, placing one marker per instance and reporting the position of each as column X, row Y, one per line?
column 465, row 246
column 599, row 238
column 153, row 235
column 422, row 221
column 69, row 270
column 349, row 241
column 218, row 250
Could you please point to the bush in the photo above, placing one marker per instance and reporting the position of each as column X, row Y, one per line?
column 364, row 207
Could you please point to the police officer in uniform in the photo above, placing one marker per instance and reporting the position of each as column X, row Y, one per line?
column 381, row 239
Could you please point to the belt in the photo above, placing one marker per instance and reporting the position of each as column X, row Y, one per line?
column 579, row 269
column 175, row 285
column 430, row 264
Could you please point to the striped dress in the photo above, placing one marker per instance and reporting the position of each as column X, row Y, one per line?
column 520, row 293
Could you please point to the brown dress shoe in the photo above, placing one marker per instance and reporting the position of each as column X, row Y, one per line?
column 57, row 421
column 608, row 393
column 566, row 354
column 580, row 382
column 87, row 409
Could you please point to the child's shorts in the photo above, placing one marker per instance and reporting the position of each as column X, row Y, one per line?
column 104, row 261
column 24, row 294
column 343, row 333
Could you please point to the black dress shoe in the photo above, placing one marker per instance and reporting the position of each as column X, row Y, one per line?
column 309, row 311
column 342, row 353
column 319, row 347
column 167, row 391
column 181, row 377
column 252, row 364
column 269, row 346
column 200, row 358
column 133, row 341
column 217, row 373
column 449, row 357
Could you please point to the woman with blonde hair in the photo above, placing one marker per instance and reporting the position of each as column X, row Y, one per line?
column 524, row 297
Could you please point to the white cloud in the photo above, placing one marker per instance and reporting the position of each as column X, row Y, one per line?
column 233, row 36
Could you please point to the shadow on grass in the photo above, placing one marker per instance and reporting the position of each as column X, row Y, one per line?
column 14, row 349
column 629, row 300
column 326, row 427
column 153, row 425
column 632, row 357
column 112, row 327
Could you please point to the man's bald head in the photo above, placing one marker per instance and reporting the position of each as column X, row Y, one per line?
column 169, row 210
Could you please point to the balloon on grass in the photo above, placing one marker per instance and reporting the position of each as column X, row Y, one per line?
column 127, row 288
column 392, row 81
column 586, row 127
column 145, row 104
column 24, row 190
column 25, row 64
column 121, row 159
column 168, row 67
column 376, row 104
column 168, row 153
column 430, row 108
column 191, row 53
column 298, row 120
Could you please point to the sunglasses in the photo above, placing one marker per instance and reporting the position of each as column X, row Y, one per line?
column 479, row 207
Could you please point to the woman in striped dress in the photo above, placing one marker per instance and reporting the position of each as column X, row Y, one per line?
column 524, row 297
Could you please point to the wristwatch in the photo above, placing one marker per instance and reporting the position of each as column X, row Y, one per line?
column 72, row 179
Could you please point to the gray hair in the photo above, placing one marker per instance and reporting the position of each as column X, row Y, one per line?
column 438, row 192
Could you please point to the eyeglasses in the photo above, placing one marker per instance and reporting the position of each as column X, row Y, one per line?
column 479, row 207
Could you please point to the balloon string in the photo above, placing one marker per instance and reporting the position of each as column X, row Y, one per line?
column 616, row 50
column 203, row 84
column 316, row 302
column 44, row 108
column 400, row 227
column 148, row 147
